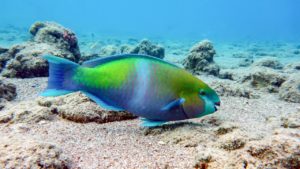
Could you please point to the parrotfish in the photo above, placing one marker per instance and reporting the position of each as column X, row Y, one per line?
column 156, row 90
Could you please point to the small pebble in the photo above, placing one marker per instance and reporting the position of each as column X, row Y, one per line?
column 161, row 143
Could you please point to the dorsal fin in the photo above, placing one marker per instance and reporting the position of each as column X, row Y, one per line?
column 99, row 61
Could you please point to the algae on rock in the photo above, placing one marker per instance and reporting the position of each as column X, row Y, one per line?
column 200, row 59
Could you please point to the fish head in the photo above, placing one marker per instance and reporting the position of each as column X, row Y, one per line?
column 200, row 102
column 211, row 100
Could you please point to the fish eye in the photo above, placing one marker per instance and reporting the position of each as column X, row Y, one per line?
column 202, row 93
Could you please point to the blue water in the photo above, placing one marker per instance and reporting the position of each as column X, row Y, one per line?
column 166, row 19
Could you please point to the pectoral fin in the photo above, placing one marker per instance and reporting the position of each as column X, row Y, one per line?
column 174, row 104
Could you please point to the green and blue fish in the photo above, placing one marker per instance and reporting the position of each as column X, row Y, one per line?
column 146, row 86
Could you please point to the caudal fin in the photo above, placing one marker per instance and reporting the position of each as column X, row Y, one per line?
column 60, row 76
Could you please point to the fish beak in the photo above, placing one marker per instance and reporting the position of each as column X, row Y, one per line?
column 217, row 104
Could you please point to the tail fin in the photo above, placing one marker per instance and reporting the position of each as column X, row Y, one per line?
column 60, row 76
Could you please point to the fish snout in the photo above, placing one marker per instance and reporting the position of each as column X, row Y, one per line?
column 217, row 104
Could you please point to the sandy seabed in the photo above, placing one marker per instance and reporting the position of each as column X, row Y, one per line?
column 243, row 133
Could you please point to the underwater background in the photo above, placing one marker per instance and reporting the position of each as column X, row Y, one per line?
column 247, row 52
column 169, row 19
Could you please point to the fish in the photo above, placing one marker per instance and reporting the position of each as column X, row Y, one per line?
column 148, row 87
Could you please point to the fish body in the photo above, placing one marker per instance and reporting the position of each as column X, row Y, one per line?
column 143, row 85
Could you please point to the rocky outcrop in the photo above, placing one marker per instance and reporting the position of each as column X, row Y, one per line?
column 58, row 36
column 269, row 62
column 74, row 107
column 5, row 55
column 25, row 153
column 24, row 60
column 3, row 50
column 266, row 78
column 200, row 59
column 230, row 88
column 292, row 68
column 27, row 62
column 7, row 91
column 145, row 47
column 78, row 108
column 290, row 89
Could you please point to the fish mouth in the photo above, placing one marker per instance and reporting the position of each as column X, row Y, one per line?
column 217, row 104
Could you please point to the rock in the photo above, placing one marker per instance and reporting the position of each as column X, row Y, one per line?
column 229, row 88
column 233, row 144
column 125, row 49
column 292, row 121
column 266, row 78
column 3, row 50
column 262, row 151
column 290, row 89
column 200, row 59
column 277, row 152
column 292, row 68
column 202, row 160
column 58, row 36
column 78, row 108
column 246, row 62
column 26, row 112
column 4, row 57
column 224, row 129
column 145, row 47
column 74, row 107
column 269, row 62
column 26, row 153
column 108, row 50
column 25, row 61
column 226, row 74
column 7, row 91
column 3, row 102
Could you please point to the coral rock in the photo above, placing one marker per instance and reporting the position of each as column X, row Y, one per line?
column 232, row 144
column 7, row 91
column 108, row 50
column 78, row 108
column 292, row 68
column 24, row 60
column 290, row 89
column 266, row 78
column 58, row 36
column 229, row 88
column 74, row 107
column 24, row 153
column 269, row 62
column 3, row 50
column 200, row 59
column 145, row 47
